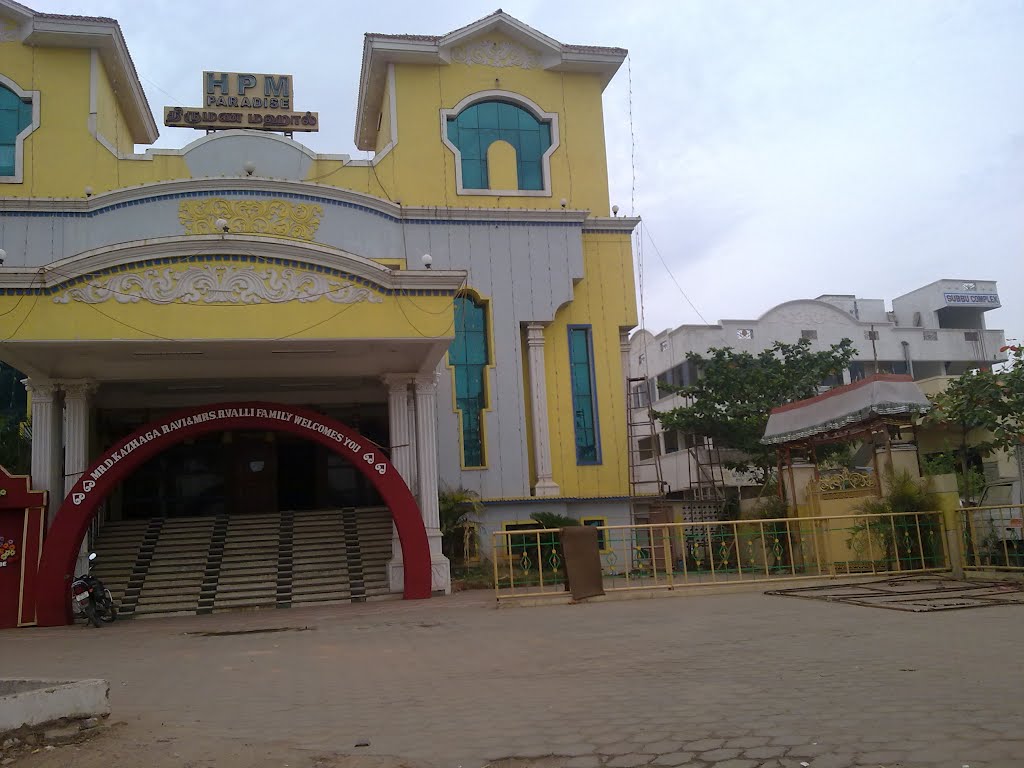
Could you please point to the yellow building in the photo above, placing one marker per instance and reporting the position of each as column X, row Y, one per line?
column 460, row 299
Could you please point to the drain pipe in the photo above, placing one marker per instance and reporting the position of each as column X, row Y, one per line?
column 906, row 358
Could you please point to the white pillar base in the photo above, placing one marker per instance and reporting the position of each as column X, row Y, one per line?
column 546, row 488
column 396, row 575
column 440, row 575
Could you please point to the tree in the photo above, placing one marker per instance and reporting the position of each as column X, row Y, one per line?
column 736, row 391
column 15, row 450
column 991, row 402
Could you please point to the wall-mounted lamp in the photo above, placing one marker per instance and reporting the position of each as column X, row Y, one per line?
column 427, row 260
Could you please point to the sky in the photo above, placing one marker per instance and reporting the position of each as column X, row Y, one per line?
column 775, row 150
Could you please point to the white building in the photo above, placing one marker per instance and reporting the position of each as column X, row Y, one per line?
column 937, row 330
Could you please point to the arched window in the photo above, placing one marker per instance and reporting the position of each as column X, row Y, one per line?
column 15, row 117
column 468, row 356
column 473, row 130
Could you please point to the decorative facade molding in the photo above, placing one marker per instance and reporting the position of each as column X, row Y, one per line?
column 490, row 53
column 209, row 284
column 846, row 481
column 274, row 217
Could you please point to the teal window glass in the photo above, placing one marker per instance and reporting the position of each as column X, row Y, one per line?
column 468, row 356
column 477, row 127
column 584, row 402
column 15, row 116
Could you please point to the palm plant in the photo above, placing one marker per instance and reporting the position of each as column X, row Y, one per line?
column 459, row 510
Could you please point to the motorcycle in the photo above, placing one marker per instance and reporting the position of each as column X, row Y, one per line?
column 91, row 599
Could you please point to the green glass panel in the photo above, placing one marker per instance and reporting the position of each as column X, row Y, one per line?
column 487, row 114
column 480, row 125
column 529, row 147
column 467, row 119
column 8, row 126
column 468, row 355
column 15, row 116
column 474, row 174
column 508, row 116
column 527, row 122
column 529, row 176
column 581, row 379
column 469, row 145
column 6, row 160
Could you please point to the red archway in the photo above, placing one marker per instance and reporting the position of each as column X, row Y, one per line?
column 64, row 539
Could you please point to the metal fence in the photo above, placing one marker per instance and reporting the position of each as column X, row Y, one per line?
column 529, row 563
column 992, row 538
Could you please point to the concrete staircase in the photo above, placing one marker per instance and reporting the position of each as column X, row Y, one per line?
column 207, row 564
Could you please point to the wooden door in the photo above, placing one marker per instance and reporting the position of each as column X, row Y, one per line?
column 255, row 475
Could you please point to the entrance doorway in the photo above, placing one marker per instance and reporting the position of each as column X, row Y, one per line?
column 242, row 473
column 225, row 459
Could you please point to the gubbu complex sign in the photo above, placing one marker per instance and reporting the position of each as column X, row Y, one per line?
column 244, row 100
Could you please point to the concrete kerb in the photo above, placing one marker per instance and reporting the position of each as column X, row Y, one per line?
column 32, row 703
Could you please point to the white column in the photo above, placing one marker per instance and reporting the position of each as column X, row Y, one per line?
column 546, row 485
column 403, row 459
column 46, row 441
column 413, row 476
column 76, row 435
column 426, row 462
column 76, row 445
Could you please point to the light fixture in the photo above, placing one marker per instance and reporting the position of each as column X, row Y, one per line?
column 427, row 260
column 615, row 210
column 88, row 191
column 3, row 256
column 221, row 224
column 563, row 202
column 250, row 167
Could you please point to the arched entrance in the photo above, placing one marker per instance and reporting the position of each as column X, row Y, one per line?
column 64, row 539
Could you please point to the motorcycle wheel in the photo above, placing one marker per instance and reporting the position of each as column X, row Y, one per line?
column 108, row 614
column 90, row 612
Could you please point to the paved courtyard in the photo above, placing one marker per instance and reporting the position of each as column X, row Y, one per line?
column 730, row 681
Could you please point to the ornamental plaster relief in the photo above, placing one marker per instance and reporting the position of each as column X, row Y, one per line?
column 210, row 284
column 275, row 217
column 490, row 53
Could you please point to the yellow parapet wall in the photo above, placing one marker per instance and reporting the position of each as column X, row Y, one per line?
column 202, row 298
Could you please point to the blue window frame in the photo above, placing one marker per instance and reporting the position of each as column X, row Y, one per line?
column 584, row 394
column 475, row 128
column 468, row 356
column 15, row 116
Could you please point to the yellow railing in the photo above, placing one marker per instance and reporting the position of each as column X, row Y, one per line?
column 529, row 563
column 993, row 538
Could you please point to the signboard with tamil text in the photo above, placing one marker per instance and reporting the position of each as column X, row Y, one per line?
column 990, row 300
column 261, row 102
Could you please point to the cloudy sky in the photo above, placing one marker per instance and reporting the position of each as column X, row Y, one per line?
column 784, row 149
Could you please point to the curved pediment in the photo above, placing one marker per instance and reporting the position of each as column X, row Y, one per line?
column 808, row 312
column 225, row 269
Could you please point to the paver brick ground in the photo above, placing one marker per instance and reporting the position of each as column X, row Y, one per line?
column 706, row 681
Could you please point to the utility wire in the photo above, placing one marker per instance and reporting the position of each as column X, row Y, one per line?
column 650, row 239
